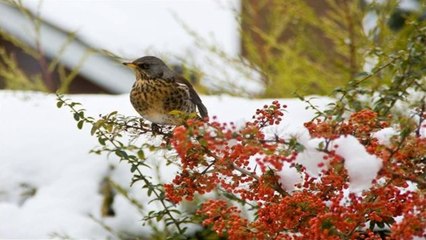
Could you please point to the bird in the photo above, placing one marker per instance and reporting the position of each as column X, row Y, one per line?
column 159, row 92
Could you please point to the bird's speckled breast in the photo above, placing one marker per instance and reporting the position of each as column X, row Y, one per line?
column 154, row 99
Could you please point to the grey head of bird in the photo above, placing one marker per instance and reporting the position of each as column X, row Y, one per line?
column 150, row 67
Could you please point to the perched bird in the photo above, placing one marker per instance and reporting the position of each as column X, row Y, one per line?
column 159, row 92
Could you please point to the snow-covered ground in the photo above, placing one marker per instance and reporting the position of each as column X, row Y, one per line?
column 43, row 152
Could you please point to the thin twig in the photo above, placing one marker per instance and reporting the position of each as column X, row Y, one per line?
column 142, row 177
column 422, row 112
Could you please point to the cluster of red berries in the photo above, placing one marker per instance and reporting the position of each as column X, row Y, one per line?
column 216, row 155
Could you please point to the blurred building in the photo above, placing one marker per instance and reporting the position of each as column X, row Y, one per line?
column 131, row 29
column 98, row 74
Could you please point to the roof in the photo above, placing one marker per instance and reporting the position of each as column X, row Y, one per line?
column 107, row 73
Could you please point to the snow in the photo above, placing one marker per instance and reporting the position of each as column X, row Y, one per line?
column 384, row 135
column 311, row 157
column 42, row 149
column 289, row 177
column 39, row 148
column 362, row 167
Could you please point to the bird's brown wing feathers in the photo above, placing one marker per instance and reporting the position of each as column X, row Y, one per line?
column 194, row 96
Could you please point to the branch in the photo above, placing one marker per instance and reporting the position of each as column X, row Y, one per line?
column 276, row 186
column 116, row 144
column 422, row 112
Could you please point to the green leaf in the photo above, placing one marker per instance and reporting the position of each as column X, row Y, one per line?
column 141, row 154
column 175, row 112
column 93, row 130
column 326, row 224
column 175, row 211
column 133, row 168
column 76, row 116
column 361, row 75
column 101, row 140
column 299, row 147
column 372, row 224
column 109, row 127
column 321, row 145
column 80, row 124
column 81, row 114
column 121, row 153
column 112, row 114
column 74, row 104
column 59, row 104
column 390, row 221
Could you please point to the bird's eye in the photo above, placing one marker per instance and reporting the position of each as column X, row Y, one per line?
column 143, row 65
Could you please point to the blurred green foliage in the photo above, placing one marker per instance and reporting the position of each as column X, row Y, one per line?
column 312, row 47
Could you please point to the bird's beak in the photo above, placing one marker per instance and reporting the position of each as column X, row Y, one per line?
column 129, row 64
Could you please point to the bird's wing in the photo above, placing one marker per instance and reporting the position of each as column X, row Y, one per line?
column 194, row 96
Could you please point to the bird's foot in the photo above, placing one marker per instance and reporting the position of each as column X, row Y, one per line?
column 156, row 129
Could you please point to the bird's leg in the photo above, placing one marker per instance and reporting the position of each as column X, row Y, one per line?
column 156, row 129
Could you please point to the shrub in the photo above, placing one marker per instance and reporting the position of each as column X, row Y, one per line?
column 251, row 202
column 367, row 186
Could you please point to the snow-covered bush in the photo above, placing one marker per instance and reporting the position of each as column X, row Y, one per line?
column 358, row 173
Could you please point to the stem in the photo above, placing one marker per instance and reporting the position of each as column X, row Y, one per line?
column 421, row 118
column 45, row 73
column 276, row 186
column 245, row 172
column 161, row 199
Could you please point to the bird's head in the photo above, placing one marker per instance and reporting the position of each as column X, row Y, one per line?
column 150, row 67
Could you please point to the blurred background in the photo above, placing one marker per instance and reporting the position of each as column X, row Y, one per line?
column 265, row 48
